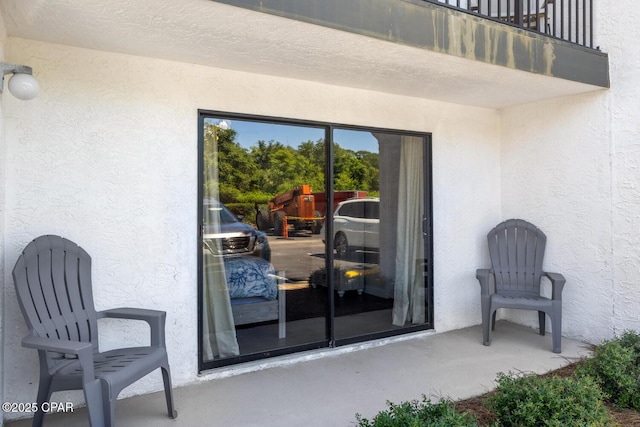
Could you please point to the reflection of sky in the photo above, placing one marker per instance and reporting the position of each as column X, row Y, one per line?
column 355, row 140
column 249, row 133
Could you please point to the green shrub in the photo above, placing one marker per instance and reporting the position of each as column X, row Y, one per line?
column 254, row 197
column 614, row 367
column 631, row 340
column 419, row 414
column 531, row 401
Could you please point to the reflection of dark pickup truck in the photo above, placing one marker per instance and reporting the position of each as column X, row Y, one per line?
column 231, row 236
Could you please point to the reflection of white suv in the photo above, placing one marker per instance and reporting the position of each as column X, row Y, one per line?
column 356, row 225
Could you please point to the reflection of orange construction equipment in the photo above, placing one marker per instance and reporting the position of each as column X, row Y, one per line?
column 296, row 207
column 338, row 196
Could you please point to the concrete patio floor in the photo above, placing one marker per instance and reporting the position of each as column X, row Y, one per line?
column 328, row 387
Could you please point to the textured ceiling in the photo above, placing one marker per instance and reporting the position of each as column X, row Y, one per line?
column 213, row 34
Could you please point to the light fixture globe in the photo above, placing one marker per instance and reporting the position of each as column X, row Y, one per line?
column 24, row 86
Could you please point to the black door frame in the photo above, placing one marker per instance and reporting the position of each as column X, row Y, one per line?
column 329, row 256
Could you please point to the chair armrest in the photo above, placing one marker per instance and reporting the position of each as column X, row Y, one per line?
column 84, row 351
column 53, row 344
column 155, row 319
column 557, row 284
column 483, row 274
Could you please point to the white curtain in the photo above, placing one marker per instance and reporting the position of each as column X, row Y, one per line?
column 219, row 331
column 409, row 292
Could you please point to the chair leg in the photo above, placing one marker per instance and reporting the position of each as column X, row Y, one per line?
column 556, row 324
column 168, row 392
column 493, row 320
column 93, row 399
column 110, row 412
column 109, row 407
column 486, row 319
column 43, row 395
column 541, row 319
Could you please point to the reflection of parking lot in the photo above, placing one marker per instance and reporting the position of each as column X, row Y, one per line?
column 298, row 256
column 303, row 253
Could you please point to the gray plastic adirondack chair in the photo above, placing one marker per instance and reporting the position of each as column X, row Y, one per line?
column 516, row 248
column 53, row 283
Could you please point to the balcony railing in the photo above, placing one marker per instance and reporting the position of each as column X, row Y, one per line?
column 570, row 20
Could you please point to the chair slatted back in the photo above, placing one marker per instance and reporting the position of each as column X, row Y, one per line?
column 53, row 283
column 517, row 248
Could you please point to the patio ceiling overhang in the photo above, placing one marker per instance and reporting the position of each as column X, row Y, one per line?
column 404, row 47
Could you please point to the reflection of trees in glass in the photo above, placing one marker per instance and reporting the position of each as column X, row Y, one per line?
column 269, row 168
column 355, row 170
column 282, row 168
column 238, row 173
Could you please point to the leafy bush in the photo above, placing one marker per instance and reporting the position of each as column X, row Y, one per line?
column 419, row 414
column 533, row 401
column 614, row 367
column 631, row 340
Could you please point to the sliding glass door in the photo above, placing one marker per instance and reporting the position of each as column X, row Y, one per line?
column 310, row 235
column 379, row 234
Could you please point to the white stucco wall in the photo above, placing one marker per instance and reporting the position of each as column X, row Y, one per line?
column 571, row 165
column 621, row 31
column 106, row 156
column 3, row 148
column 556, row 173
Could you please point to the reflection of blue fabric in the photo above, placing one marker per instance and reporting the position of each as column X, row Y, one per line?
column 250, row 277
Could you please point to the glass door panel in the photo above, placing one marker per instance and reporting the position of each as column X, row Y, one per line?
column 378, row 239
column 261, row 240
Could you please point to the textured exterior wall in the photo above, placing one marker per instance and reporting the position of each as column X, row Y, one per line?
column 624, row 109
column 3, row 149
column 106, row 156
column 556, row 173
column 572, row 166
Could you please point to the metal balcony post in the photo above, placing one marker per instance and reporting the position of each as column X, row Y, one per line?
column 518, row 12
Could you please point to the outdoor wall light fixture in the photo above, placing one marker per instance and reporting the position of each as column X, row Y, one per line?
column 22, row 84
